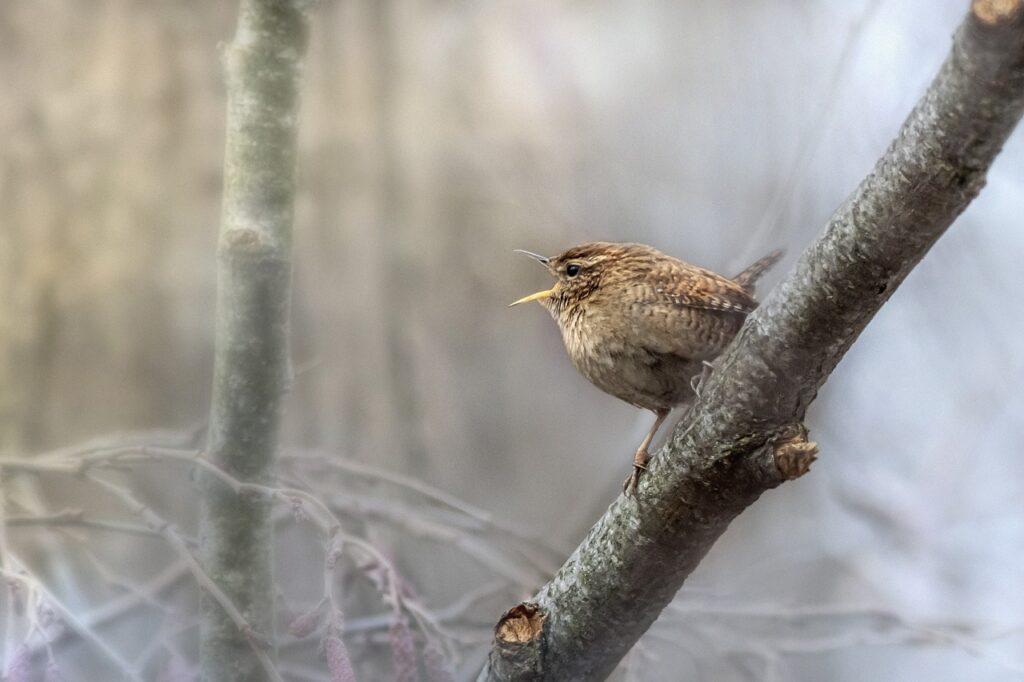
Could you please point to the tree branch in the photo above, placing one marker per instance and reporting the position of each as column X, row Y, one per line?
column 263, row 66
column 743, row 435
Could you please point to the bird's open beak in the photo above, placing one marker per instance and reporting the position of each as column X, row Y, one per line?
column 543, row 260
column 533, row 297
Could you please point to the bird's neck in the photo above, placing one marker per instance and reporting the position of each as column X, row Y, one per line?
column 571, row 319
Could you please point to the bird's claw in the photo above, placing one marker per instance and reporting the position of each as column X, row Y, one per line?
column 631, row 482
column 697, row 381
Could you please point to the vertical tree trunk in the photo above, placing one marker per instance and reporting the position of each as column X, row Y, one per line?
column 263, row 68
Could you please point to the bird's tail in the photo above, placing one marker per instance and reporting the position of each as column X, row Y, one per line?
column 748, row 278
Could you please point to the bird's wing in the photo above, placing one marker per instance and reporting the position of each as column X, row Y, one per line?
column 689, row 286
column 683, row 310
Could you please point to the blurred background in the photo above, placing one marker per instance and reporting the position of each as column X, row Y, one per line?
column 435, row 138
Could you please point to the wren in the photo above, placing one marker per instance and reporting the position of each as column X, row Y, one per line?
column 641, row 325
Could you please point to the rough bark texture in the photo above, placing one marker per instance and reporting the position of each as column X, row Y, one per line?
column 263, row 66
column 742, row 436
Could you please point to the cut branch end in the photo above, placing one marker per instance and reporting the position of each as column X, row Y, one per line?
column 521, row 624
column 996, row 11
column 518, row 652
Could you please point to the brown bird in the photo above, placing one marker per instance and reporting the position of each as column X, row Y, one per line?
column 641, row 325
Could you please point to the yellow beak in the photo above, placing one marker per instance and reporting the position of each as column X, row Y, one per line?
column 533, row 297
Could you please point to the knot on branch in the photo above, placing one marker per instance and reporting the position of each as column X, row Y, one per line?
column 995, row 11
column 793, row 453
column 255, row 249
column 245, row 240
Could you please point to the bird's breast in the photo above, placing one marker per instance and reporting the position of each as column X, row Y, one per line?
column 589, row 343
column 637, row 375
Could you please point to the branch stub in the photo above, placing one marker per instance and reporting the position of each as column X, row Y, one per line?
column 521, row 624
column 793, row 453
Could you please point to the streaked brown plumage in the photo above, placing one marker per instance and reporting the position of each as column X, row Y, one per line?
column 640, row 324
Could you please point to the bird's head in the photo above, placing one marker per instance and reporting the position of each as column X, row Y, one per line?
column 578, row 273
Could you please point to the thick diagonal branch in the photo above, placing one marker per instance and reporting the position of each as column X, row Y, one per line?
column 263, row 67
column 743, row 436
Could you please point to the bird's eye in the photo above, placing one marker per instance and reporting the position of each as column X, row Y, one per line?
column 572, row 270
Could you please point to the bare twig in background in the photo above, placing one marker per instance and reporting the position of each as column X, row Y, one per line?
column 446, row 524
column 257, row 642
column 263, row 67
column 77, row 518
column 450, row 624
column 121, row 607
column 536, row 550
column 721, row 457
column 20, row 574
column 769, row 631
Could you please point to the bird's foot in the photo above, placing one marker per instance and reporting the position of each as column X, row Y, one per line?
column 697, row 382
column 639, row 467
column 631, row 482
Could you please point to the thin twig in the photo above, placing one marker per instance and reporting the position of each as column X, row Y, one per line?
column 256, row 640
column 21, row 574
column 77, row 518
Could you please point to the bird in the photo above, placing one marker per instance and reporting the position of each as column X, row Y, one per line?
column 642, row 325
